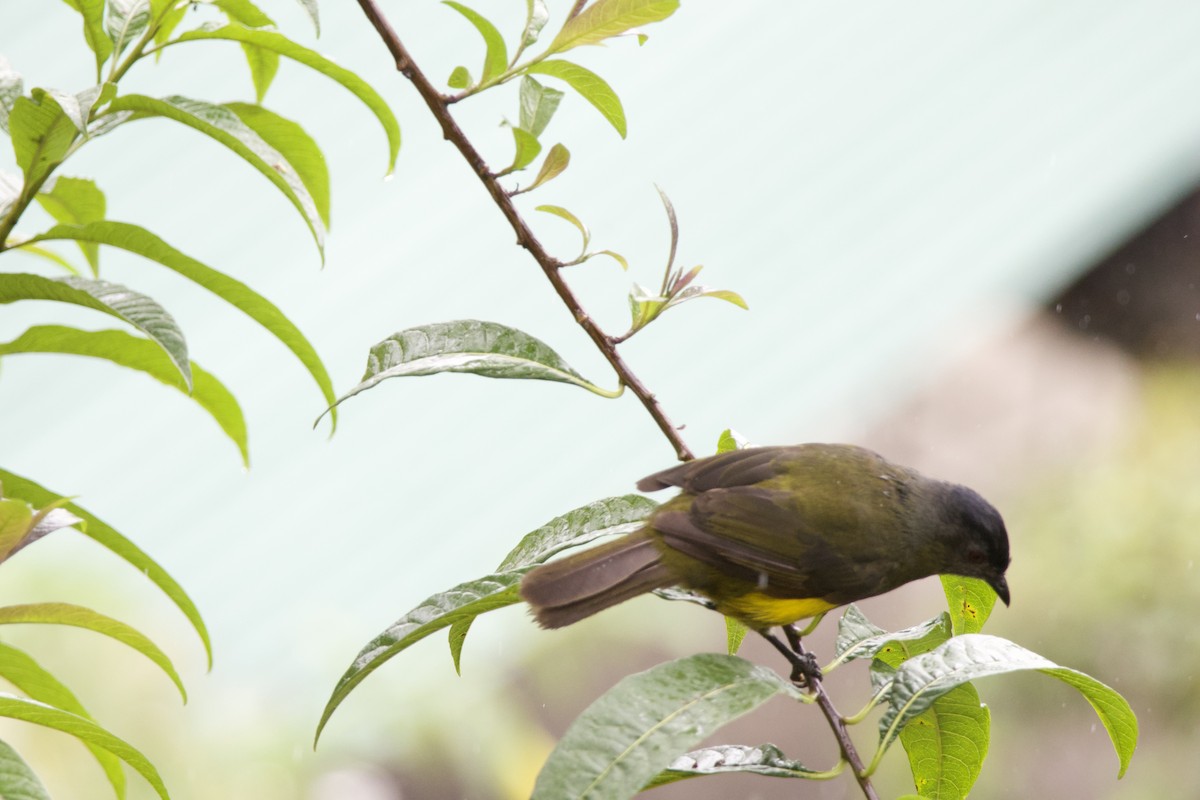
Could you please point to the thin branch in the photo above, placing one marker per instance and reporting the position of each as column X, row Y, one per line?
column 437, row 104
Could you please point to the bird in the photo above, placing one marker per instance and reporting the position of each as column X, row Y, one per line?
column 774, row 535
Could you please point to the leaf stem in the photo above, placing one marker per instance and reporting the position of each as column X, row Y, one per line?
column 439, row 107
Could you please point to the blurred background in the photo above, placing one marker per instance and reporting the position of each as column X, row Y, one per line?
column 969, row 239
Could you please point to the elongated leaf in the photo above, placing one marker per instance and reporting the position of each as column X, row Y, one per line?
column 16, row 518
column 140, row 241
column 94, row 34
column 536, row 16
column 83, row 729
column 481, row 348
column 922, row 680
column 555, row 163
column 17, row 780
column 591, row 87
column 81, row 617
column 135, row 353
column 607, row 18
column 263, row 65
column 221, row 124
column 279, row 43
column 310, row 8
column 95, row 528
column 111, row 298
column 296, row 146
column 970, row 601
column 495, row 60
column 439, row 611
column 538, row 104
column 41, row 135
column 125, row 22
column 765, row 759
column 563, row 213
column 637, row 728
column 23, row 672
column 50, row 255
column 77, row 201
column 946, row 745
column 735, row 634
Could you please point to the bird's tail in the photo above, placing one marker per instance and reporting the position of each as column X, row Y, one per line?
column 565, row 591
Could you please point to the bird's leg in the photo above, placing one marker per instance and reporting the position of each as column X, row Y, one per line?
column 804, row 664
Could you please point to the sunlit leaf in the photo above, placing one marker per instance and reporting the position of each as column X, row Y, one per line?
column 946, row 744
column 17, row 780
column 970, row 601
column 245, row 12
column 495, row 59
column 525, row 149
column 94, row 33
column 725, row 759
column 591, row 87
column 626, row 738
column 95, row 528
column 126, row 20
column 297, row 147
column 460, row 78
column 735, row 634
column 41, row 135
column 133, row 352
column 538, row 104
column 76, row 201
column 608, row 18
column 49, row 255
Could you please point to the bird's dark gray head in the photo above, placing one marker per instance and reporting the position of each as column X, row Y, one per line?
column 980, row 540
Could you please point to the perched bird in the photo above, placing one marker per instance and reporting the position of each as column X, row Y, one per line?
column 773, row 535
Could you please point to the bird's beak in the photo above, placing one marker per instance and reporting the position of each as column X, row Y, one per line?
column 1000, row 585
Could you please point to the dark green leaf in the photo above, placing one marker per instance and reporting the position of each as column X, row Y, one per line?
column 288, row 49
column 296, row 146
column 970, row 601
column 465, row 601
column 555, row 162
column 135, row 353
column 766, row 759
column 923, row 679
column 223, row 125
column 126, row 21
column 41, row 135
column 83, row 729
column 97, row 39
column 17, row 780
column 111, row 298
column 591, row 87
column 607, row 18
column 95, row 528
column 626, row 738
column 11, row 87
column 76, row 201
column 538, row 104
column 495, row 60
column 946, row 745
column 239, row 295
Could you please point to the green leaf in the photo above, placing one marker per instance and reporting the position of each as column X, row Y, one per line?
column 724, row 759
column 460, row 78
column 607, row 18
column 167, row 24
column 95, row 528
column 49, row 255
column 591, row 87
column 555, row 162
column 23, row 672
column 922, row 680
column 11, row 87
column 83, row 729
column 538, row 104
column 467, row 600
column 224, row 126
column 970, row 601
column 126, row 21
column 263, row 65
column 946, row 745
column 78, row 107
column 612, row 516
column 735, row 634
column 731, row 440
column 858, row 638
column 244, row 12
column 473, row 346
column 41, row 135
column 140, row 241
column 495, row 60
column 17, row 780
column 94, row 34
column 615, row 256
column 563, row 213
column 626, row 738
column 536, row 16
column 296, row 146
column 81, row 617
column 112, row 298
column 76, row 201
column 279, row 43
column 20, row 525
column 136, row 353
column 525, row 149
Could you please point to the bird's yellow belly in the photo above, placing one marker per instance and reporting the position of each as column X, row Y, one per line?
column 761, row 610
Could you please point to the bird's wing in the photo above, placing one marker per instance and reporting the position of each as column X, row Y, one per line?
column 736, row 468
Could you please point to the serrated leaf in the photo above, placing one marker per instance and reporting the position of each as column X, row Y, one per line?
column 125, row 21
column 94, row 34
column 553, row 165
column 41, row 135
column 140, row 241
column 629, row 735
column 923, row 679
column 472, row 346
column 76, row 201
column 133, row 352
column 11, row 87
column 495, row 60
column 23, row 672
column 95, row 528
column 114, row 299
column 538, row 104
column 536, row 16
column 224, row 126
column 611, row 516
column 590, row 86
column 297, row 147
column 17, row 780
column 460, row 78
column 81, row 617
column 724, row 759
column 970, row 601
column 563, row 213
column 607, row 18
column 525, row 149
column 946, row 745
column 467, row 600
column 285, row 47
column 83, row 729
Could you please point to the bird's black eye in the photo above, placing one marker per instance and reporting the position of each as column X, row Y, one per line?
column 976, row 556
